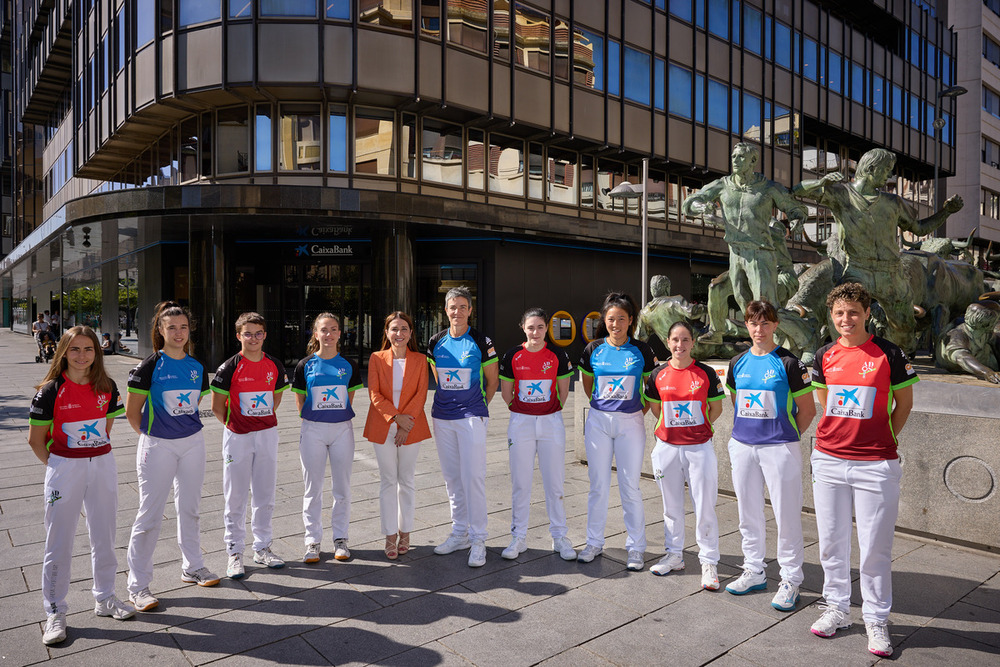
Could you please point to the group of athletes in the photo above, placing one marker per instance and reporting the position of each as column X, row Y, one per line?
column 862, row 382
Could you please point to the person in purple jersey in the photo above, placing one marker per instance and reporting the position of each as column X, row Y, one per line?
column 613, row 369
column 770, row 389
column 164, row 391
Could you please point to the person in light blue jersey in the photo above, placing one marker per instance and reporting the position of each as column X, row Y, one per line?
column 164, row 391
column 324, row 384
column 614, row 368
column 770, row 389
column 467, row 375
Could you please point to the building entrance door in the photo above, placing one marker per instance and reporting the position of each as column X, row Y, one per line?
column 340, row 289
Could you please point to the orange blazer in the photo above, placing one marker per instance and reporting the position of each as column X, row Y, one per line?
column 411, row 399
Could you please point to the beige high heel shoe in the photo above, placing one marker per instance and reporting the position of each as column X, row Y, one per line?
column 404, row 542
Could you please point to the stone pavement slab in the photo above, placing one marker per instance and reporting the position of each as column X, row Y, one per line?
column 425, row 609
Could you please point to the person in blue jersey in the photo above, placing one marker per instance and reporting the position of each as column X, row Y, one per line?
column 465, row 368
column 614, row 368
column 770, row 389
column 164, row 391
column 324, row 384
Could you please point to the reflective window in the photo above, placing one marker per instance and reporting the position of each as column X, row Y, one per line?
column 699, row 13
column 105, row 62
column 614, row 67
column 637, row 75
column 466, row 26
column 753, row 26
column 932, row 60
column 609, row 175
column 535, row 171
column 656, row 196
column 929, row 115
column 991, row 153
column 858, row 92
column 263, row 134
column 682, row 9
column 430, row 18
column 718, row 105
column 300, row 138
column 897, row 103
column 189, row 150
column 810, row 60
column 916, row 107
column 441, row 152
column 561, row 177
column 768, row 26
column 501, row 30
column 782, row 45
column 122, row 42
column 338, row 9
column 561, row 49
column 533, row 41
column 506, row 165
column 782, row 128
column 752, row 110
column 591, row 74
column 735, row 14
column 946, row 71
column 338, row 139
column 878, row 93
column 680, row 91
column 718, row 18
column 145, row 22
column 374, row 146
column 699, row 98
column 240, row 9
column 287, row 7
column 587, row 181
column 834, row 76
column 190, row 12
column 386, row 13
column 660, row 74
column 476, row 159
column 206, row 144
column 991, row 50
column 408, row 143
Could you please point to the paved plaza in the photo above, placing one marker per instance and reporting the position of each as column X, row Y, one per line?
column 434, row 610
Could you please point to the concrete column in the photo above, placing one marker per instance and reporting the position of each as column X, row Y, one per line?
column 393, row 274
column 207, row 276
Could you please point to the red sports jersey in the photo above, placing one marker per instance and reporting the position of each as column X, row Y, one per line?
column 77, row 417
column 859, row 382
column 250, row 387
column 535, row 376
column 684, row 395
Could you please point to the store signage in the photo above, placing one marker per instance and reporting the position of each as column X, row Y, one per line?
column 325, row 230
column 325, row 250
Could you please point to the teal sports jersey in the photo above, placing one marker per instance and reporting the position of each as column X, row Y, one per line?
column 618, row 373
column 765, row 388
column 326, row 384
column 458, row 368
column 172, row 388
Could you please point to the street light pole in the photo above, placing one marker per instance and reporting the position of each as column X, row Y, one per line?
column 626, row 190
column 939, row 123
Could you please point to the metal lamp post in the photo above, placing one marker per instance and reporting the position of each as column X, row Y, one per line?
column 939, row 123
column 628, row 191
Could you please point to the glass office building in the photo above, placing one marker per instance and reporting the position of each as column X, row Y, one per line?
column 356, row 156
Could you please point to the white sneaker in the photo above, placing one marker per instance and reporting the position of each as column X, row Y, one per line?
column 312, row 554
column 878, row 639
column 202, row 576
column 340, row 550
column 748, row 581
column 55, row 629
column 267, row 557
column 635, row 561
column 564, row 548
column 786, row 598
column 113, row 607
column 668, row 563
column 143, row 600
column 710, row 576
column 515, row 549
column 588, row 553
column 832, row 620
column 235, row 568
column 453, row 543
column 477, row 554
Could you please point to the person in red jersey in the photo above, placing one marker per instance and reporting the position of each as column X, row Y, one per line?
column 685, row 396
column 534, row 382
column 69, row 431
column 865, row 386
column 246, row 394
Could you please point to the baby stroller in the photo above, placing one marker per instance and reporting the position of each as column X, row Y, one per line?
column 46, row 347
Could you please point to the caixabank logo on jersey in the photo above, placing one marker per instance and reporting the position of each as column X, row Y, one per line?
column 759, row 404
column 683, row 413
column 180, row 402
column 454, row 379
column 256, row 405
column 849, row 401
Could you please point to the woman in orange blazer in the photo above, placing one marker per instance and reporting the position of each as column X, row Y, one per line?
column 397, row 385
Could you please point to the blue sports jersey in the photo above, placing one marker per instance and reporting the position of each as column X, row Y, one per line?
column 458, row 368
column 618, row 373
column 326, row 384
column 172, row 388
column 765, row 388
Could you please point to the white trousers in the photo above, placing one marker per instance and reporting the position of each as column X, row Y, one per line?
column 697, row 465
column 249, row 465
column 70, row 484
column 621, row 436
column 397, row 467
column 320, row 442
column 160, row 462
column 872, row 488
column 461, row 445
column 780, row 467
column 544, row 435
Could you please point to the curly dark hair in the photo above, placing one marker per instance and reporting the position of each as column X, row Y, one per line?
column 849, row 292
